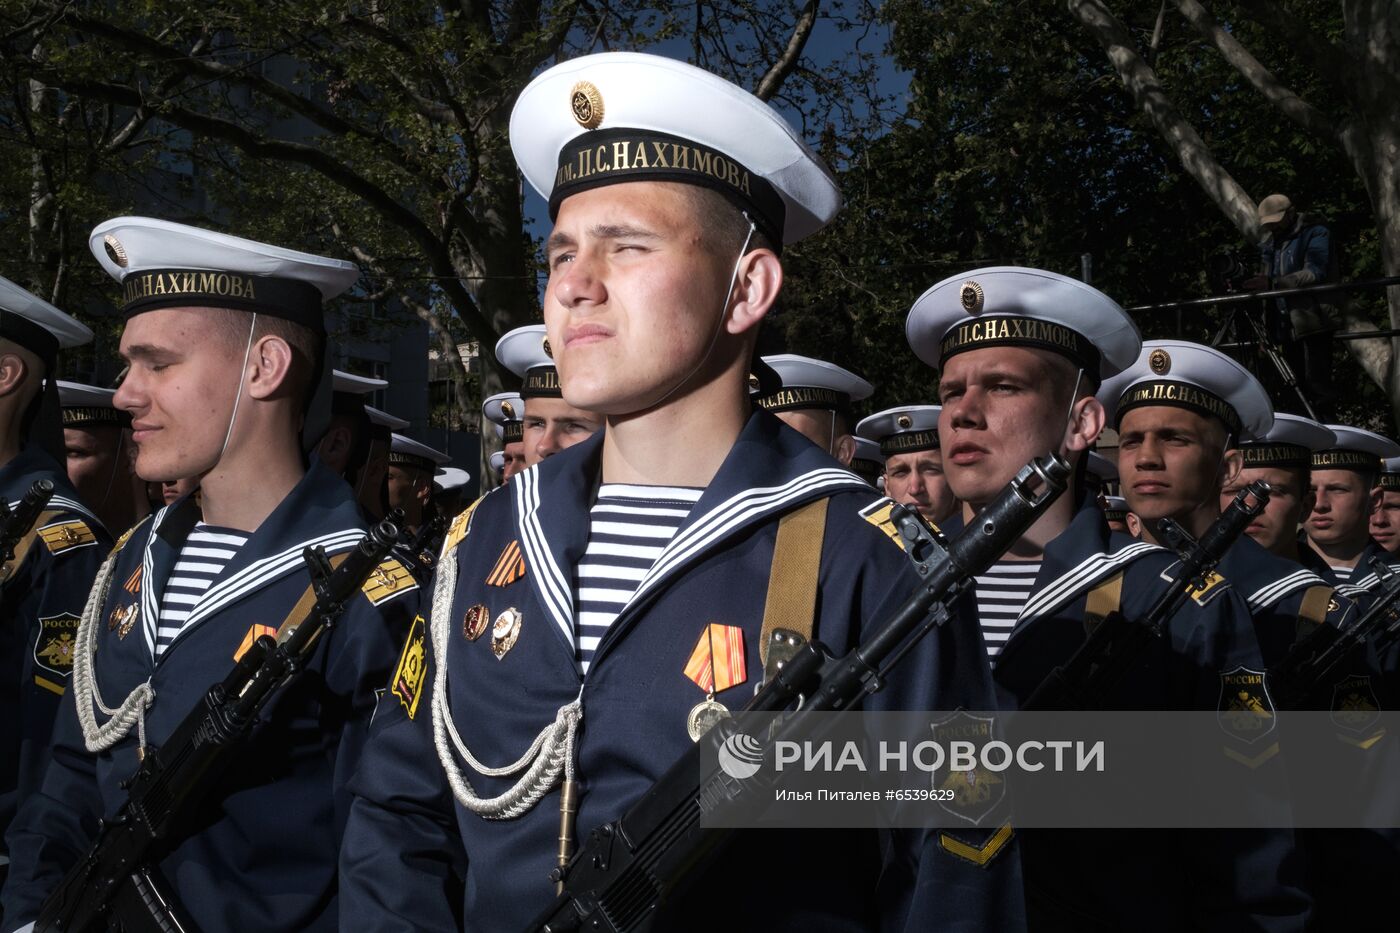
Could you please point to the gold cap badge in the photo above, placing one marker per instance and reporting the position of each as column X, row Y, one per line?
column 548, row 350
column 753, row 382
column 904, row 422
column 508, row 409
column 1159, row 361
column 972, row 297
column 115, row 251
column 587, row 105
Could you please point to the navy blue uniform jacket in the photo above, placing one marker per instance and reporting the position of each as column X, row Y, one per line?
column 415, row 859
column 1143, row 880
column 39, row 610
column 266, row 858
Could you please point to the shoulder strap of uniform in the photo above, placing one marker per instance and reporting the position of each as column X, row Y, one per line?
column 790, row 606
column 1316, row 601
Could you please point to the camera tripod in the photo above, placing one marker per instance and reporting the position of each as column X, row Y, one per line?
column 1265, row 345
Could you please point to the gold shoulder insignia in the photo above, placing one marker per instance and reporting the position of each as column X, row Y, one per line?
column 67, row 536
column 1214, row 586
column 407, row 684
column 878, row 513
column 977, row 855
column 388, row 580
column 458, row 529
column 126, row 535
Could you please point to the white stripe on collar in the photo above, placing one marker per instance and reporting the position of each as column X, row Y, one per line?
column 1272, row 592
column 70, row 505
column 1088, row 572
column 554, row 588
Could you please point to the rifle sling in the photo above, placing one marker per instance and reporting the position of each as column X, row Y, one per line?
column 790, row 606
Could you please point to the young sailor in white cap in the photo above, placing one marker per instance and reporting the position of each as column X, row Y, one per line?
column 908, row 439
column 412, row 465
column 627, row 577
column 1344, row 478
column 345, row 447
column 814, row 398
column 1385, row 520
column 551, row 424
column 224, row 338
column 1021, row 353
column 101, row 459
column 506, row 410
column 44, row 585
column 1281, row 457
column 371, row 491
column 868, row 462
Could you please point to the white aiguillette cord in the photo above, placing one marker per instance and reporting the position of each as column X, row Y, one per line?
column 132, row 710
column 551, row 754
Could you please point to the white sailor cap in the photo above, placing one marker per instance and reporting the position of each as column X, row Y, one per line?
column 450, row 478
column 85, row 404
column 382, row 419
column 1390, row 474
column 405, row 451
column 525, row 351
column 1115, row 508
column 36, row 325
column 504, row 410
column 348, row 391
column 1291, row 442
column 1010, row 306
column 498, row 460
column 625, row 116
column 902, row 430
column 1102, row 467
column 811, row 383
column 869, row 450
column 161, row 264
column 1355, row 449
column 1198, row 378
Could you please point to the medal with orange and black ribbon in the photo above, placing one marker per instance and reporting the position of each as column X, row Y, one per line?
column 716, row 664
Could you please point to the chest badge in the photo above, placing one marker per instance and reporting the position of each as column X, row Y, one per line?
column 122, row 619
column 504, row 632
column 474, row 622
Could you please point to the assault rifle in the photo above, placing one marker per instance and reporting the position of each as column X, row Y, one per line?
column 115, row 885
column 626, row 868
column 1084, row 680
column 1310, row 660
column 16, row 523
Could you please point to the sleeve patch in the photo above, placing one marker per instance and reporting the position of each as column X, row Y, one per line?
column 391, row 578
column 60, row 537
column 407, row 684
column 977, row 855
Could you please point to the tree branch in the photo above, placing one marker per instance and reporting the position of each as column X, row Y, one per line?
column 1329, row 60
column 1260, row 78
column 783, row 67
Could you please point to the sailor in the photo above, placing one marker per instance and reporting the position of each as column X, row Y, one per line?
column 1385, row 520
column 868, row 463
column 100, row 455
column 908, row 439
column 224, row 338
column 551, row 423
column 595, row 616
column 505, row 410
column 345, row 447
column 449, row 486
column 1344, row 487
column 1101, row 474
column 1282, row 457
column 1116, row 514
column 44, row 584
column 412, row 466
column 1021, row 353
column 814, row 398
column 371, row 488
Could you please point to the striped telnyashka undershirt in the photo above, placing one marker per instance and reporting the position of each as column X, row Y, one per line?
column 628, row 528
column 206, row 553
column 1001, row 595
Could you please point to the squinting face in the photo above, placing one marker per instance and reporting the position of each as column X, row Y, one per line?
column 917, row 479
column 634, row 300
column 514, row 456
column 552, row 425
column 1169, row 461
column 1289, row 500
column 94, row 458
column 999, row 413
column 179, row 390
column 1385, row 521
column 1342, row 510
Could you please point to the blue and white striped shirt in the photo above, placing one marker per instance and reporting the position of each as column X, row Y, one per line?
column 206, row 553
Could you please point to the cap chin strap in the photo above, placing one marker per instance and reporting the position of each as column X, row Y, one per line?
column 1069, row 414
column 238, row 397
column 719, row 326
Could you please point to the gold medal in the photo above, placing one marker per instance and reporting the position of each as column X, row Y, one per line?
column 474, row 622
column 504, row 631
column 122, row 619
column 704, row 716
